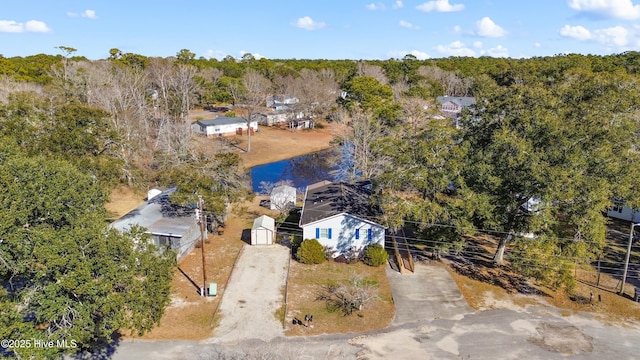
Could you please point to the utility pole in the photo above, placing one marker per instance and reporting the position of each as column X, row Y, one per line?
column 626, row 261
column 202, row 219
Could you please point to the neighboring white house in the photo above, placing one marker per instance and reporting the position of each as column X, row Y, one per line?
column 455, row 104
column 283, row 197
column 340, row 217
column 452, row 106
column 277, row 117
column 622, row 212
column 263, row 231
column 170, row 226
column 223, row 126
column 281, row 102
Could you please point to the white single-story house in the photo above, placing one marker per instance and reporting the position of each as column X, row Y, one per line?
column 452, row 106
column 281, row 102
column 455, row 104
column 223, row 126
column 263, row 231
column 340, row 216
column 283, row 197
column 623, row 212
column 277, row 117
column 170, row 226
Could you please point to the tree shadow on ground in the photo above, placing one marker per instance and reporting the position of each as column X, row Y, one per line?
column 100, row 351
column 476, row 262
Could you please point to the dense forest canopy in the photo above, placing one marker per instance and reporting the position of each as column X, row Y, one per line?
column 561, row 129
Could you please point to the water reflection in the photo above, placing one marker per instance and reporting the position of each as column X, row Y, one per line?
column 302, row 170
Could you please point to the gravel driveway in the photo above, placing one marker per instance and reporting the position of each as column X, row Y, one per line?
column 252, row 296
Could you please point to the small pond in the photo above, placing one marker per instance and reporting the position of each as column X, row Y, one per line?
column 302, row 170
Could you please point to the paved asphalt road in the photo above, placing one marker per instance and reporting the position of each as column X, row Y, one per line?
column 432, row 322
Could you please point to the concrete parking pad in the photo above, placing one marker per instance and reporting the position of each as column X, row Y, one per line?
column 252, row 296
column 427, row 294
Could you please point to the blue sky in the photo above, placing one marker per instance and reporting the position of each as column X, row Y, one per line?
column 321, row 29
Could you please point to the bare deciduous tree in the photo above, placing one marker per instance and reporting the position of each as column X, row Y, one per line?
column 362, row 148
column 452, row 84
column 354, row 295
column 416, row 111
column 317, row 91
column 256, row 89
column 9, row 86
column 374, row 71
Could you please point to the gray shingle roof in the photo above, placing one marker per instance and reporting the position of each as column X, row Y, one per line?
column 221, row 120
column 325, row 199
column 462, row 101
column 159, row 216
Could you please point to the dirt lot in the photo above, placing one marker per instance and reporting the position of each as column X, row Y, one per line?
column 271, row 144
column 307, row 283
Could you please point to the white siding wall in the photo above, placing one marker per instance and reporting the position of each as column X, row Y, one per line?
column 227, row 129
column 624, row 213
column 343, row 233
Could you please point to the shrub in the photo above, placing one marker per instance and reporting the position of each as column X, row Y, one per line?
column 295, row 242
column 310, row 252
column 375, row 255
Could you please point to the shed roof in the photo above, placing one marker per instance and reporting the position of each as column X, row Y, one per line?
column 326, row 199
column 159, row 217
column 265, row 222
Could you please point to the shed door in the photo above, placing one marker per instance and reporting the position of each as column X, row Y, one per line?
column 262, row 236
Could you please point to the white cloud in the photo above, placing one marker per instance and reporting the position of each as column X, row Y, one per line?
column 617, row 36
column 30, row 26
column 36, row 26
column 255, row 55
column 477, row 44
column 408, row 25
column 457, row 29
column 399, row 54
column 576, row 32
column 11, row 26
column 218, row 54
column 498, row 51
column 89, row 14
column 439, row 6
column 380, row 6
column 456, row 48
column 618, row 9
column 308, row 23
column 373, row 6
column 487, row 28
column 537, row 45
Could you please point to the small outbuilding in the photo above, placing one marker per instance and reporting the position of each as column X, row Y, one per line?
column 263, row 230
column 283, row 197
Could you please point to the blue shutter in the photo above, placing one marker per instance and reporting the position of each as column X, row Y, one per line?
column 369, row 234
column 317, row 233
column 329, row 233
column 357, row 234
